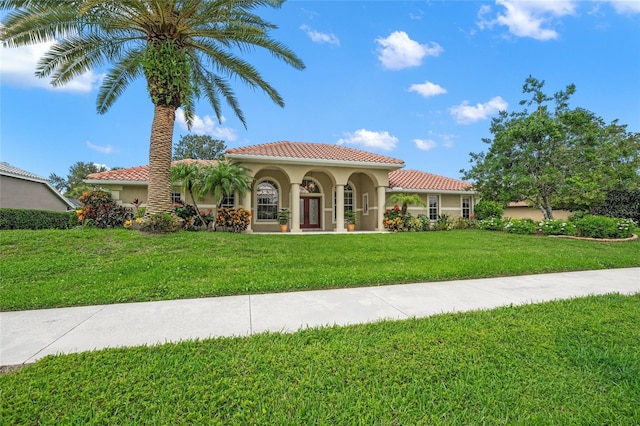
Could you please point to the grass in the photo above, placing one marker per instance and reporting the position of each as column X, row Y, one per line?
column 565, row 362
column 44, row 269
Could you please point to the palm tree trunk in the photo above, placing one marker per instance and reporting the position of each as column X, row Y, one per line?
column 159, row 195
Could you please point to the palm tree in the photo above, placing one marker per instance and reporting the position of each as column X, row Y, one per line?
column 183, row 48
column 406, row 199
column 224, row 178
column 189, row 174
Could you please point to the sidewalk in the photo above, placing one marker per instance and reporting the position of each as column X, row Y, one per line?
column 26, row 336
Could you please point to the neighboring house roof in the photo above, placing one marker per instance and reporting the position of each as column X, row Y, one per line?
column 7, row 169
column 414, row 180
column 134, row 174
column 312, row 151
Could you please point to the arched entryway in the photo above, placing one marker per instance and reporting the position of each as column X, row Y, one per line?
column 310, row 204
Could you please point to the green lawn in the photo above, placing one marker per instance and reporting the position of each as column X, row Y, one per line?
column 566, row 362
column 43, row 269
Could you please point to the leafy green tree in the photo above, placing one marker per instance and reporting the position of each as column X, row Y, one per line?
column 553, row 158
column 405, row 200
column 73, row 186
column 58, row 182
column 185, row 49
column 225, row 178
column 198, row 147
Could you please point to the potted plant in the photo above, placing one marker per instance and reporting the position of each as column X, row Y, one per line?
column 283, row 219
column 352, row 218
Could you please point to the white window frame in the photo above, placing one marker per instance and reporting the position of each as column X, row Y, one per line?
column 437, row 208
column 277, row 186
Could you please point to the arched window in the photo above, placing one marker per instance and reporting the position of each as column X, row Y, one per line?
column 267, row 196
column 309, row 186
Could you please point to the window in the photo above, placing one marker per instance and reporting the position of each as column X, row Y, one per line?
column 228, row 201
column 348, row 200
column 466, row 207
column 267, row 197
column 365, row 203
column 433, row 207
column 309, row 186
column 176, row 198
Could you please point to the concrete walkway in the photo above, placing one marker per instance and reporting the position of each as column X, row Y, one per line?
column 26, row 336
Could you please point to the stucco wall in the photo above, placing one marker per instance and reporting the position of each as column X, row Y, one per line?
column 531, row 213
column 24, row 194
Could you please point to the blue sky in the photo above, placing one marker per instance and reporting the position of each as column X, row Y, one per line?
column 415, row 80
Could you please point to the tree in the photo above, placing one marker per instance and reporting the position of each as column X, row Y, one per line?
column 73, row 186
column 58, row 182
column 405, row 199
column 185, row 49
column 224, row 178
column 198, row 147
column 553, row 158
column 190, row 175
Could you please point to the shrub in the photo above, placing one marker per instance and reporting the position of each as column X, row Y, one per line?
column 443, row 223
column 487, row 209
column 425, row 222
column 161, row 223
column 520, row 226
column 621, row 203
column 101, row 211
column 577, row 215
column 35, row 219
column 491, row 224
column 557, row 227
column 393, row 219
column 233, row 220
column 604, row 227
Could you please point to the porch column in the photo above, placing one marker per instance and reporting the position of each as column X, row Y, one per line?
column 382, row 194
column 246, row 204
column 295, row 207
column 340, row 208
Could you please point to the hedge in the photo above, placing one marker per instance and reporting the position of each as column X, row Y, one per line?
column 35, row 219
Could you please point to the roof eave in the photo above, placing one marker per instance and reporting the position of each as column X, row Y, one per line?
column 433, row 190
column 115, row 182
column 315, row 161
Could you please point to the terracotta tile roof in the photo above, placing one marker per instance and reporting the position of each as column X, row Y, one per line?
column 135, row 174
column 414, row 179
column 316, row 151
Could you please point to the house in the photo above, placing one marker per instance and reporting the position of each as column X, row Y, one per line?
column 20, row 189
column 522, row 209
column 317, row 182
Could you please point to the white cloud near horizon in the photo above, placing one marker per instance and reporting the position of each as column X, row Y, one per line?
column 370, row 140
column 532, row 19
column 467, row 114
column 18, row 67
column 425, row 144
column 398, row 51
column 625, row 6
column 318, row 37
column 206, row 126
column 108, row 149
column 428, row 89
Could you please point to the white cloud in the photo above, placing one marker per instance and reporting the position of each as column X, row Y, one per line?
column 532, row 19
column 467, row 114
column 425, row 144
column 398, row 51
column 206, row 125
column 626, row 6
column 108, row 149
column 19, row 64
column 371, row 140
column 318, row 37
column 428, row 89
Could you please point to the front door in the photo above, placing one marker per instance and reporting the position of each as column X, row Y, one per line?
column 309, row 212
